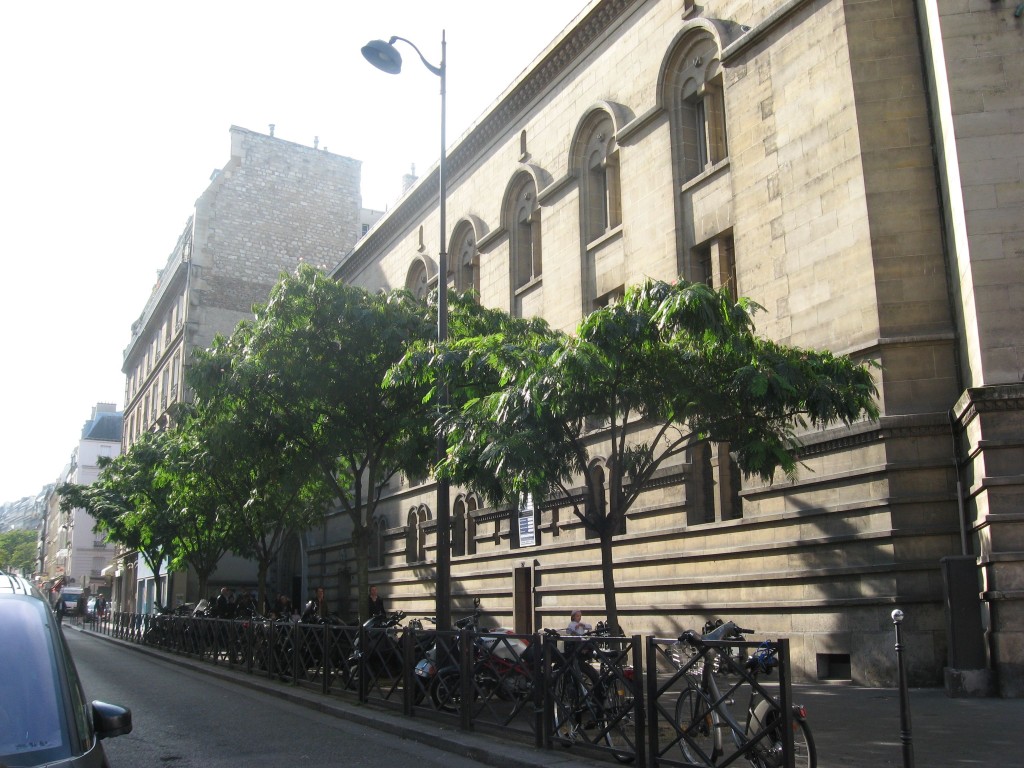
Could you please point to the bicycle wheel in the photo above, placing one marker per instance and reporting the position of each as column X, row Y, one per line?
column 697, row 722
column 565, row 696
column 446, row 691
column 618, row 723
column 805, row 754
column 803, row 746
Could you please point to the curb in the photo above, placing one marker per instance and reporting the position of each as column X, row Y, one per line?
column 484, row 748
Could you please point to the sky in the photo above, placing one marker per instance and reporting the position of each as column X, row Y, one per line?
column 113, row 115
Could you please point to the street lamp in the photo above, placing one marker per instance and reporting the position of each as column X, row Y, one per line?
column 385, row 57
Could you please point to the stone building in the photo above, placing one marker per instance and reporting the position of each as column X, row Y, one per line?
column 72, row 552
column 854, row 167
column 273, row 206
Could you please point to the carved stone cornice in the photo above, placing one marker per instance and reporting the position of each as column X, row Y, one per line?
column 545, row 72
column 975, row 401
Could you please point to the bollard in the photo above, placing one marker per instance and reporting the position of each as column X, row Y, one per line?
column 905, row 736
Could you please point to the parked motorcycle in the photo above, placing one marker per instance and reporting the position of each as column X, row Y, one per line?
column 502, row 668
column 377, row 650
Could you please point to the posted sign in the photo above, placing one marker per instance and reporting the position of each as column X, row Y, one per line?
column 527, row 525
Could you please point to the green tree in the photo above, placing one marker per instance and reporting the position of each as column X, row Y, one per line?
column 306, row 376
column 242, row 487
column 18, row 551
column 130, row 501
column 196, row 508
column 668, row 367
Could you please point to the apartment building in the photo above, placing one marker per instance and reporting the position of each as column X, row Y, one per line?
column 73, row 553
column 273, row 206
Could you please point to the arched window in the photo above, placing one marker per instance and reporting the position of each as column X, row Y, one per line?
column 417, row 279
column 714, row 493
column 459, row 527
column 600, row 198
column 464, row 259
column 696, row 103
column 376, row 552
column 422, row 518
column 412, row 537
column 472, row 504
column 597, row 506
column 523, row 221
column 463, row 525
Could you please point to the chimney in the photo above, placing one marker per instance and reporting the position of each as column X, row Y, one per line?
column 409, row 179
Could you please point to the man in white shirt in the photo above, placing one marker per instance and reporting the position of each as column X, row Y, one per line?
column 576, row 625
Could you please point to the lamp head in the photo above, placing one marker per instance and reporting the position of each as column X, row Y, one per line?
column 897, row 616
column 384, row 56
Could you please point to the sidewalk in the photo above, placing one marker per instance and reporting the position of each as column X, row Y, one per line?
column 852, row 726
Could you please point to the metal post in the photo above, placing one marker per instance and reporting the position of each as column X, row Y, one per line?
column 384, row 56
column 786, row 703
column 905, row 736
column 443, row 608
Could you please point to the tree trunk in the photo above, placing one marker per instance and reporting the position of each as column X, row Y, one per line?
column 264, row 566
column 360, row 535
column 608, row 576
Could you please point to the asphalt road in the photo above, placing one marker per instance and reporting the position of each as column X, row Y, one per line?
column 185, row 719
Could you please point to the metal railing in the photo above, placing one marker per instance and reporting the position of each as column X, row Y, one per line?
column 612, row 696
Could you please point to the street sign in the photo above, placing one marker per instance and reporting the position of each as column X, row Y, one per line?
column 527, row 524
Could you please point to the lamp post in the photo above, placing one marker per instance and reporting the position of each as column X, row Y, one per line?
column 386, row 58
column 906, row 739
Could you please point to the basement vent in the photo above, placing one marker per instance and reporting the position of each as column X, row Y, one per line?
column 834, row 666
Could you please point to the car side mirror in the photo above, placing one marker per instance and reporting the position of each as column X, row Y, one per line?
column 110, row 720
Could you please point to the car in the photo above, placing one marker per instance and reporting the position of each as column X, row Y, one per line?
column 72, row 600
column 44, row 717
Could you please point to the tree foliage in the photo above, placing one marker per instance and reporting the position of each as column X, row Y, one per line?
column 18, row 551
column 202, row 522
column 129, row 501
column 640, row 382
column 241, row 487
column 305, row 378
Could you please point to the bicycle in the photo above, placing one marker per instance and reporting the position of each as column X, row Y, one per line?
column 586, row 698
column 703, row 712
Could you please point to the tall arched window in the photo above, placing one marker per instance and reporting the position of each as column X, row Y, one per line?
column 696, row 103
column 376, row 553
column 423, row 517
column 412, row 537
column 465, row 259
column 523, row 222
column 472, row 504
column 713, row 492
column 600, row 198
column 459, row 527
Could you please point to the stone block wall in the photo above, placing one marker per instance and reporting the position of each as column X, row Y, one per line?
column 274, row 206
column 832, row 197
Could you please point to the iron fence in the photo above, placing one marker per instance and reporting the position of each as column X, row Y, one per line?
column 612, row 696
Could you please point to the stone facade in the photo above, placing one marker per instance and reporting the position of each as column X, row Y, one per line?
column 855, row 168
column 274, row 206
column 71, row 552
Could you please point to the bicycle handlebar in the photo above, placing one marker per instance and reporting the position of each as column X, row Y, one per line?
column 725, row 631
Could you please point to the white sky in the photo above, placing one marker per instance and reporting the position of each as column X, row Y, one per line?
column 113, row 116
